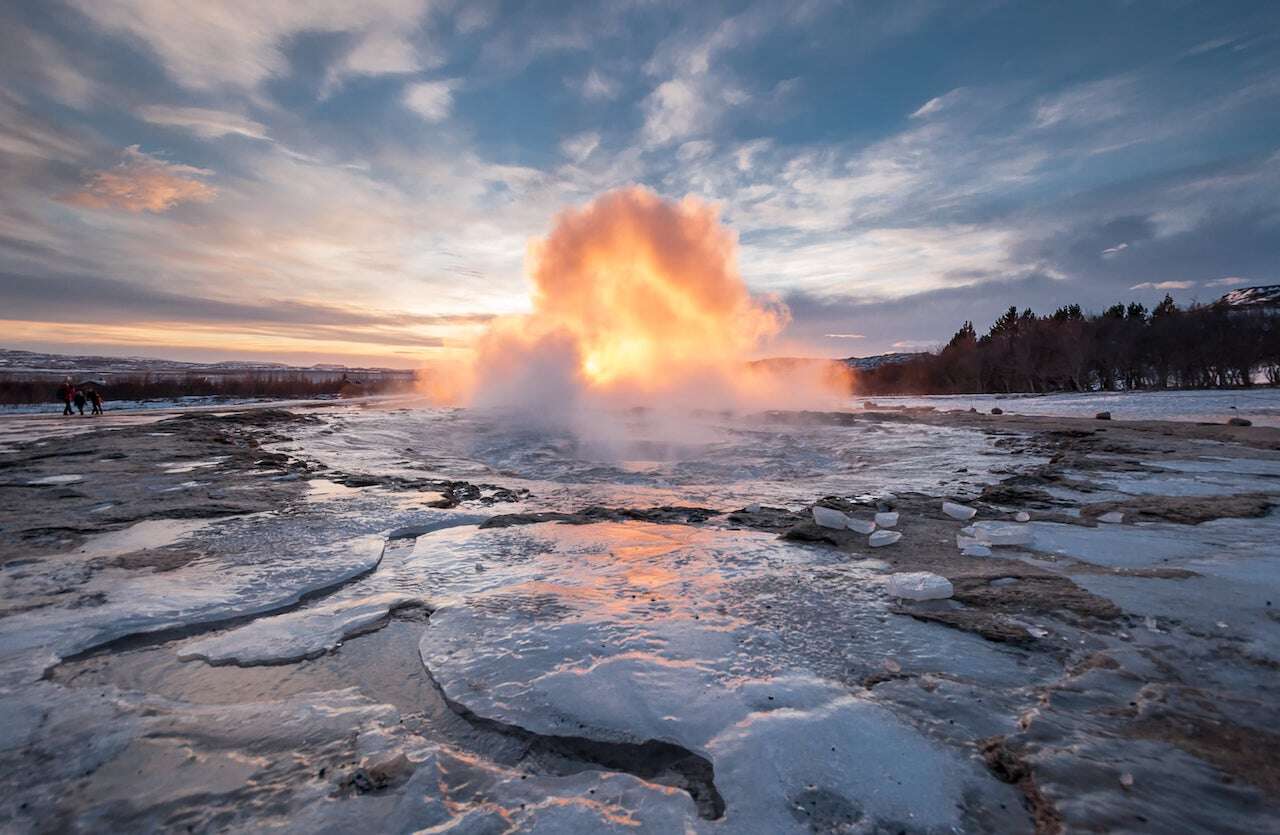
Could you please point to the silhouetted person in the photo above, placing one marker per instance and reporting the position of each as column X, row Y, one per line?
column 80, row 401
column 95, row 397
column 67, row 392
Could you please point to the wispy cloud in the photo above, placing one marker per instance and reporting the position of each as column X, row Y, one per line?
column 203, row 122
column 1113, row 251
column 1229, row 281
column 143, row 183
column 845, row 336
column 1164, row 285
column 580, row 146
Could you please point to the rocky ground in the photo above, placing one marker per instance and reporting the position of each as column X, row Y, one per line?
column 231, row 621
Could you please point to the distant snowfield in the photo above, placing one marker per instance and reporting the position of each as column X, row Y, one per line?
column 1260, row 405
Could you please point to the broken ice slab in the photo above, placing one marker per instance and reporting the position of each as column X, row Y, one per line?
column 887, row 519
column 861, row 525
column 958, row 511
column 996, row 533
column 830, row 517
column 920, row 585
column 1115, row 517
column 881, row 538
column 975, row 550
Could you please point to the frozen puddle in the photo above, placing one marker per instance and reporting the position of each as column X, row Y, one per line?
column 199, row 593
column 140, row 536
column 174, row 468
column 632, row 633
column 297, row 635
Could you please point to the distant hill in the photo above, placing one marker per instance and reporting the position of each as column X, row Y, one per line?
column 1262, row 296
column 32, row 365
column 856, row 363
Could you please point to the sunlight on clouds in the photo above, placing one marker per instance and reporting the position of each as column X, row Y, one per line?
column 142, row 183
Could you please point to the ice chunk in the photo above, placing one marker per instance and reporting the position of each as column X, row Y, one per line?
column 888, row 519
column 958, row 511
column 830, row 518
column 920, row 585
column 975, row 550
column 861, row 525
column 1022, row 516
column 999, row 533
column 752, row 508
column 882, row 538
column 1115, row 517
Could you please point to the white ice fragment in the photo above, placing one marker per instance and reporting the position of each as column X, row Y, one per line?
column 996, row 533
column 830, row 518
column 975, row 550
column 920, row 585
column 882, row 538
column 1022, row 516
column 55, row 479
column 887, row 519
column 1151, row 624
column 958, row 511
column 1115, row 517
column 861, row 525
column 752, row 508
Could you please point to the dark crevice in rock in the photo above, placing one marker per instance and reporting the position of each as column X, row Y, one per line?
column 1011, row 767
column 667, row 514
column 664, row 763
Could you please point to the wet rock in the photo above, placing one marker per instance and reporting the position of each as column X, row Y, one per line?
column 997, row 411
column 1102, row 416
column 1022, row 516
column 1239, row 421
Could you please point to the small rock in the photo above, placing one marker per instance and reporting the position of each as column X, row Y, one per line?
column 887, row 519
column 919, row 585
column 881, row 538
column 1239, row 421
column 479, row 567
column 860, row 525
column 830, row 518
column 1102, row 416
column 1022, row 516
column 751, row 508
column 1001, row 582
column 975, row 550
column 1115, row 517
column 958, row 511
column 973, row 410
column 892, row 665
column 997, row 411
column 1126, row 780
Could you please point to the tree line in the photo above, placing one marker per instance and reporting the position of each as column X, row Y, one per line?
column 1123, row 348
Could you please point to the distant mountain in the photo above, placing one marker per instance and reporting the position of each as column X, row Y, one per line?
column 1266, row 295
column 856, row 363
column 880, row 360
column 35, row 365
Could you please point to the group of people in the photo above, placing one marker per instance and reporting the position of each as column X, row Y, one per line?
column 80, row 397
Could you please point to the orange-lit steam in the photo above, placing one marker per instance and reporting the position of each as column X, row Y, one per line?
column 634, row 296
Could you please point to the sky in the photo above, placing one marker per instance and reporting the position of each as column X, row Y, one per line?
column 349, row 182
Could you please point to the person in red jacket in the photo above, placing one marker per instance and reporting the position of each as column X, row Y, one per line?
column 67, row 392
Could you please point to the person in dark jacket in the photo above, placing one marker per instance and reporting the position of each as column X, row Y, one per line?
column 95, row 397
column 67, row 392
column 80, row 401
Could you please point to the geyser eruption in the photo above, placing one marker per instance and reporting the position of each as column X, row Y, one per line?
column 637, row 300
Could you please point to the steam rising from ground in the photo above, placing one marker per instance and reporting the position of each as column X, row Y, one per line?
column 637, row 301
